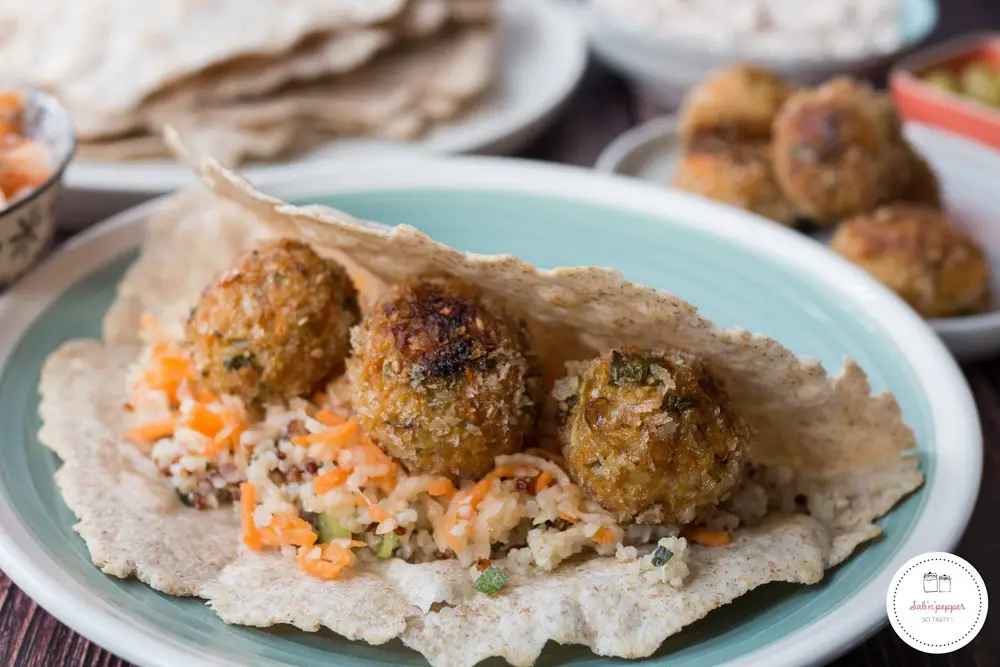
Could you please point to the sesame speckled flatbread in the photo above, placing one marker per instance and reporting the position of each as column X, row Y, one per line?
column 845, row 448
column 132, row 522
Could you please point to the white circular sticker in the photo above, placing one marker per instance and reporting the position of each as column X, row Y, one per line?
column 937, row 603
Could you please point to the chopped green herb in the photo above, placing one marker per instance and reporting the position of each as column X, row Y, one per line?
column 490, row 581
column 328, row 528
column 387, row 546
column 662, row 556
column 673, row 403
column 596, row 463
column 241, row 360
column 626, row 368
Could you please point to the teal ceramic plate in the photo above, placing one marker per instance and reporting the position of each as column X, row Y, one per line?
column 740, row 271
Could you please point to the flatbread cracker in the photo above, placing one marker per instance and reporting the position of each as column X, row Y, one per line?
column 102, row 58
column 396, row 97
column 845, row 447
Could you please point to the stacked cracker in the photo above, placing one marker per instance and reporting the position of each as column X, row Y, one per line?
column 250, row 80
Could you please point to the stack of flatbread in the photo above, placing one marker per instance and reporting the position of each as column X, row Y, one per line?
column 249, row 80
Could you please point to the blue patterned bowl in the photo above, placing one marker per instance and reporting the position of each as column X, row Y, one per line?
column 27, row 225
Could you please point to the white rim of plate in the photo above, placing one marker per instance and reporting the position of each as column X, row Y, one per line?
column 557, row 25
column 977, row 156
column 948, row 505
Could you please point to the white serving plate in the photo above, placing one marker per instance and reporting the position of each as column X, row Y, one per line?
column 543, row 55
column 969, row 173
column 67, row 585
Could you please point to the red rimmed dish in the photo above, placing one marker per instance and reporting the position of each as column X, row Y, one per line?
column 917, row 100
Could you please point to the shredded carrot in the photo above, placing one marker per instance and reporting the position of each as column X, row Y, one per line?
column 543, row 481
column 232, row 428
column 330, row 418
column 441, row 487
column 471, row 499
column 169, row 369
column 371, row 454
column 478, row 492
column 288, row 529
column 204, row 421
column 376, row 511
column 330, row 441
column 251, row 537
column 706, row 537
column 385, row 483
column 152, row 431
column 330, row 480
column 567, row 517
column 333, row 560
column 604, row 536
column 203, row 395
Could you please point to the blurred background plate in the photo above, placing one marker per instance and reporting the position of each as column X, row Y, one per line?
column 968, row 172
column 543, row 55
column 663, row 68
column 737, row 268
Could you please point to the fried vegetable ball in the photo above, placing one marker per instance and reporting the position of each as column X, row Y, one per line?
column 836, row 150
column 739, row 174
column 917, row 253
column 651, row 434
column 921, row 184
column 738, row 102
column 275, row 325
column 444, row 378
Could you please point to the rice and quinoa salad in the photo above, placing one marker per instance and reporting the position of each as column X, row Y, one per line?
column 649, row 454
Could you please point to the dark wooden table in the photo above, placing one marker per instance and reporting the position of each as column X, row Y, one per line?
column 603, row 108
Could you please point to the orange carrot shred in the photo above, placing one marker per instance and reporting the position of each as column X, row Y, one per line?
column 330, row 418
column 288, row 529
column 251, row 537
column 204, row 421
column 152, row 431
column 376, row 511
column 706, row 537
column 441, row 487
column 604, row 536
column 567, row 517
column 330, row 480
column 543, row 481
column 337, row 436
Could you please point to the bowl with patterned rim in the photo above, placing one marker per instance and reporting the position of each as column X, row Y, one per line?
column 28, row 222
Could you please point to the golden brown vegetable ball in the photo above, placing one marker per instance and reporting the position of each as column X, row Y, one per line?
column 651, row 434
column 836, row 150
column 918, row 254
column 444, row 378
column 738, row 174
column 738, row 102
column 275, row 325
column 921, row 184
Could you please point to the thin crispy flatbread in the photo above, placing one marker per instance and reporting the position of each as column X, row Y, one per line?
column 396, row 98
column 102, row 58
column 845, row 445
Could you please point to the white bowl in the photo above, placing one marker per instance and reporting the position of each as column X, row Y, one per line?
column 968, row 174
column 27, row 224
column 663, row 69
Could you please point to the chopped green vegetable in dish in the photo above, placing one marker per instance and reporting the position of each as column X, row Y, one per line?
column 328, row 528
column 662, row 556
column 387, row 546
column 490, row 581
